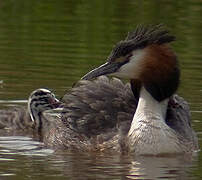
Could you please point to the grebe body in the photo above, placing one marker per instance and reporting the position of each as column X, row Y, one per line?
column 146, row 59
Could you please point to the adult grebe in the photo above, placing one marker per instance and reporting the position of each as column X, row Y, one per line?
column 101, row 114
column 145, row 58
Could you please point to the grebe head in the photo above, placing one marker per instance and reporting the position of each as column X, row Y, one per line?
column 144, row 56
column 39, row 101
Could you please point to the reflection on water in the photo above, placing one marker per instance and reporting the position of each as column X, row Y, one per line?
column 22, row 153
column 22, row 145
column 13, row 148
column 54, row 43
column 160, row 168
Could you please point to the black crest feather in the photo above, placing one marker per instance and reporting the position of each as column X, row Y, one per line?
column 141, row 37
column 150, row 35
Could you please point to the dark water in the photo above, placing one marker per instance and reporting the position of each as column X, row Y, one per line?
column 53, row 43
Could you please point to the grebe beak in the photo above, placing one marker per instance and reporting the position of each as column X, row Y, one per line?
column 107, row 68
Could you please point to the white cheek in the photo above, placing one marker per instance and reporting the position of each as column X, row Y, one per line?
column 132, row 69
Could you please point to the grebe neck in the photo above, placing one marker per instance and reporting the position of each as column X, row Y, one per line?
column 149, row 133
column 148, row 108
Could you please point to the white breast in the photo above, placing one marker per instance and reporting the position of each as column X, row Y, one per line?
column 149, row 134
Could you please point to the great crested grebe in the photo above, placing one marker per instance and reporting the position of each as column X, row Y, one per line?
column 143, row 117
column 146, row 58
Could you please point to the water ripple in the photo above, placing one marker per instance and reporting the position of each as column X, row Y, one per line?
column 20, row 145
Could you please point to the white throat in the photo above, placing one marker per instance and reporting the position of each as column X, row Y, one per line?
column 148, row 108
column 30, row 110
column 149, row 133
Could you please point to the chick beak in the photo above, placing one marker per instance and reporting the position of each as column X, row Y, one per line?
column 55, row 103
column 104, row 69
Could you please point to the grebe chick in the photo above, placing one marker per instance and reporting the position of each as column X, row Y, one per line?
column 145, row 57
column 32, row 117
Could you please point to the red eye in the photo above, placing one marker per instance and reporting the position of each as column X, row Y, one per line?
column 128, row 57
column 53, row 101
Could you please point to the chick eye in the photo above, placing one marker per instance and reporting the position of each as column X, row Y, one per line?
column 48, row 100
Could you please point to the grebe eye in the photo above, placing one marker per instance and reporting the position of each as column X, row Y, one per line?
column 128, row 57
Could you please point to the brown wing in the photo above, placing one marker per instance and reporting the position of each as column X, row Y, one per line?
column 179, row 118
column 93, row 107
